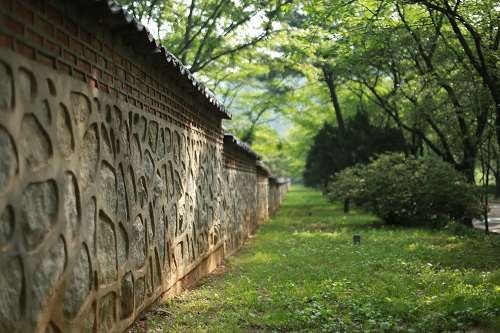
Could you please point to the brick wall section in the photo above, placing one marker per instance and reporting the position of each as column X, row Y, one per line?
column 63, row 38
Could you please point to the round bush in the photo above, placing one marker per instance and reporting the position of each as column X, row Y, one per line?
column 409, row 191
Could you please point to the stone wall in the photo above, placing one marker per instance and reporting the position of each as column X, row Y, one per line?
column 117, row 186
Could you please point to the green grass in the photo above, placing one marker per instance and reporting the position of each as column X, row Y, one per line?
column 301, row 272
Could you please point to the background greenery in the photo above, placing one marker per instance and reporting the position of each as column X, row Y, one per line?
column 301, row 272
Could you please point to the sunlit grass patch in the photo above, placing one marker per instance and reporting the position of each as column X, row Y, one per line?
column 302, row 273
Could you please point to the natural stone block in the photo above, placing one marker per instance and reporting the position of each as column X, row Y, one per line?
column 108, row 188
column 106, row 251
column 46, row 278
column 71, row 205
column 11, row 285
column 89, row 156
column 35, row 142
column 65, row 141
column 138, row 245
column 38, row 211
column 79, row 285
column 6, row 88
column 8, row 160
column 127, row 296
column 107, row 313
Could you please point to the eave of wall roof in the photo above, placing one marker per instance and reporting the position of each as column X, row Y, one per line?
column 231, row 139
column 113, row 15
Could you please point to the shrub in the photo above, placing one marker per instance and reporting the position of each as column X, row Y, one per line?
column 408, row 191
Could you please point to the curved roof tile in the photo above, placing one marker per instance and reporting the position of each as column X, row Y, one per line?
column 121, row 22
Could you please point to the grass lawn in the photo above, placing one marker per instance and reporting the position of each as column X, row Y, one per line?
column 301, row 272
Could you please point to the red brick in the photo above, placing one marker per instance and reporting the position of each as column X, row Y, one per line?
column 127, row 88
column 96, row 72
column 126, row 64
column 64, row 68
column 34, row 37
column 84, row 65
column 6, row 5
column 129, row 77
column 84, row 35
column 23, row 13
column 117, row 58
column 103, row 87
column 120, row 73
column 25, row 50
column 46, row 60
column 13, row 25
column 92, row 82
column 6, row 41
column 113, row 92
column 69, row 57
column 44, row 26
column 76, row 46
column 108, row 78
column 107, row 52
column 54, row 14
column 112, row 68
column 96, row 44
column 101, row 61
column 62, row 37
column 79, row 75
column 71, row 27
column 52, row 47
column 90, row 54
column 37, row 4
column 142, row 75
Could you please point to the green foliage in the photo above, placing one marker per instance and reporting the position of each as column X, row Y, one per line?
column 411, row 191
column 302, row 273
column 335, row 149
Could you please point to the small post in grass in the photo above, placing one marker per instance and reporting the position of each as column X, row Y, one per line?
column 356, row 239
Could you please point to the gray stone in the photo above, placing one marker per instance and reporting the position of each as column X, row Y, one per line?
column 108, row 188
column 160, row 235
column 8, row 162
column 138, row 244
column 71, row 212
column 122, row 245
column 35, row 142
column 149, row 166
column 89, row 156
column 176, row 147
column 27, row 84
column 106, row 251
column 124, row 145
column 136, row 152
column 90, row 222
column 38, row 211
column 6, row 88
column 131, row 189
column 168, row 140
column 89, row 322
column 150, row 227
column 107, row 313
column 127, row 296
column 153, row 135
column 11, row 285
column 157, row 189
column 142, row 128
column 6, row 224
column 46, row 278
column 80, row 107
column 79, row 285
column 107, row 149
column 172, row 222
column 179, row 191
column 149, row 279
column 122, row 195
column 156, row 272
column 142, row 194
column 182, row 222
column 160, row 153
column 65, row 141
column 139, row 292
column 117, row 118
column 170, row 181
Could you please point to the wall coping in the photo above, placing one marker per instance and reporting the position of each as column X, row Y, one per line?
column 113, row 15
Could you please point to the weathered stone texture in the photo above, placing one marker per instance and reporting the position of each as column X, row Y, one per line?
column 8, row 162
column 103, row 206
